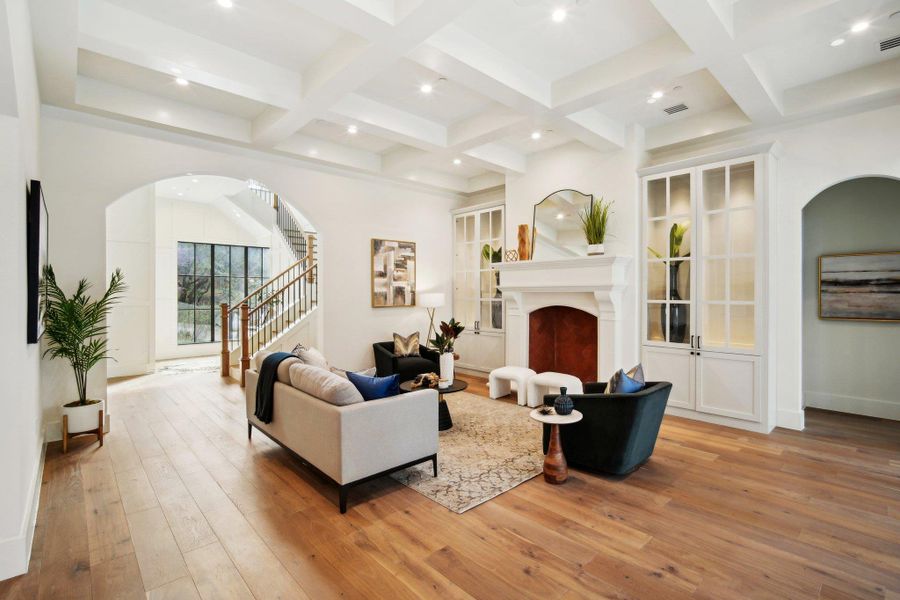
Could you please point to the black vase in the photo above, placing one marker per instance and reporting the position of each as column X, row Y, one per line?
column 563, row 405
column 678, row 313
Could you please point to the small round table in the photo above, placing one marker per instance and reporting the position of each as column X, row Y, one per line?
column 445, row 422
column 556, row 470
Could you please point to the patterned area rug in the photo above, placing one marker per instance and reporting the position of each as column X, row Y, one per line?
column 493, row 447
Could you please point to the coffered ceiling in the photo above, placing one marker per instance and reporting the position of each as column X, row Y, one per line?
column 458, row 93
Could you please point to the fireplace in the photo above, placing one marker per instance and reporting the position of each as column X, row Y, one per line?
column 563, row 339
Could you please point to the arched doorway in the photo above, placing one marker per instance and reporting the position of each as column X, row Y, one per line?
column 849, row 360
column 187, row 244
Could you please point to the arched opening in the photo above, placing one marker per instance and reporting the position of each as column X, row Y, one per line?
column 187, row 245
column 851, row 298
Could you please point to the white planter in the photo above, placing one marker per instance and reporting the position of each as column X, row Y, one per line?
column 595, row 249
column 446, row 369
column 83, row 418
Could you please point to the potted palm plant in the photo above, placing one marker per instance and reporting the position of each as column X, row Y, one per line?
column 75, row 330
column 593, row 222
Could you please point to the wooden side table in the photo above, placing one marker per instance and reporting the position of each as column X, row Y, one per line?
column 556, row 470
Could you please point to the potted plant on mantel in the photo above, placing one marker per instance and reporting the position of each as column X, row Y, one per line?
column 593, row 222
column 75, row 330
column 444, row 341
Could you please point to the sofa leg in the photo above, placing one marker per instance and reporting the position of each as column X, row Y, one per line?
column 342, row 498
column 434, row 463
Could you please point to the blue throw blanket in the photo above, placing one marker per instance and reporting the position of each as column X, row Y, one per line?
column 265, row 387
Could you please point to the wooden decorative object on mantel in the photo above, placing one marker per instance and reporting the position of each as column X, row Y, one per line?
column 66, row 435
column 524, row 242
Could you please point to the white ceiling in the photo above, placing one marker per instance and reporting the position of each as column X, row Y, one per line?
column 290, row 76
column 199, row 188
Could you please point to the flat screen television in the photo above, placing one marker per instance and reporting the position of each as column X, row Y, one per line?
column 37, row 253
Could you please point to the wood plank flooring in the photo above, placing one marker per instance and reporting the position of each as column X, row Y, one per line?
column 178, row 505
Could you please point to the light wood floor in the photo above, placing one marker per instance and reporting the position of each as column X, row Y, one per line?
column 178, row 504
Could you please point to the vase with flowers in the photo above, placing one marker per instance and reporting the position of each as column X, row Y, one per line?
column 444, row 342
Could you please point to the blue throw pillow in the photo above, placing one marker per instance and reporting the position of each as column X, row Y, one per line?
column 373, row 388
column 628, row 385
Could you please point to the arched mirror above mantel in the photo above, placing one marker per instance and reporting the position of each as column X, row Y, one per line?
column 556, row 226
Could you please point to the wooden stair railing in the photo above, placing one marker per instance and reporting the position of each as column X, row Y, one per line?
column 269, row 310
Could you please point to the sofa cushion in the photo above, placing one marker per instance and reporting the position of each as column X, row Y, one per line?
column 370, row 372
column 406, row 346
column 373, row 388
column 626, row 383
column 324, row 385
column 310, row 356
column 284, row 366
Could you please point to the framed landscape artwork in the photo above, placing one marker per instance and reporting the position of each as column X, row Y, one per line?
column 862, row 287
column 393, row 273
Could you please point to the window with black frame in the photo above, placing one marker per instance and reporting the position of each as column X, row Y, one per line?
column 208, row 275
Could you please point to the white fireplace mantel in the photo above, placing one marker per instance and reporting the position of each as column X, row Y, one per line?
column 594, row 284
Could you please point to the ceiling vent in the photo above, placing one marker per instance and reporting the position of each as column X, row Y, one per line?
column 890, row 44
column 675, row 109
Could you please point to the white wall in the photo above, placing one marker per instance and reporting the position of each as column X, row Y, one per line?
column 22, row 439
column 850, row 366
column 88, row 162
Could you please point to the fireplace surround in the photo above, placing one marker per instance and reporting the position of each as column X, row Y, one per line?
column 593, row 284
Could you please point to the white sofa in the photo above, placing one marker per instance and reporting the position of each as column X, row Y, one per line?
column 354, row 443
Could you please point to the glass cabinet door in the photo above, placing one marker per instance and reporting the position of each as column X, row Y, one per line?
column 478, row 242
column 728, row 297
column 668, row 274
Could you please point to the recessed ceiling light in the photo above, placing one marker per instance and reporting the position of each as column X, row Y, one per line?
column 189, row 174
column 181, row 81
column 225, row 3
column 457, row 161
column 195, row 181
column 425, row 88
column 176, row 70
column 180, row 193
column 559, row 15
column 313, row 152
column 560, row 216
column 657, row 94
column 352, row 129
column 861, row 26
column 837, row 42
column 535, row 135
column 651, row 100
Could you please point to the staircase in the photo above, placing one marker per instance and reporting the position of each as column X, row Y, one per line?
column 280, row 303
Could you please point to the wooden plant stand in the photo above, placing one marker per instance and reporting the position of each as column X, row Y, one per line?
column 66, row 435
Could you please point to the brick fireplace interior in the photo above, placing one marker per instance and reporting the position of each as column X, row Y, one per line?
column 563, row 339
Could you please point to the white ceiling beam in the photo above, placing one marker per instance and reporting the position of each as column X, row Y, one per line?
column 730, row 118
column 348, row 16
column 56, row 47
column 497, row 155
column 594, row 129
column 136, row 39
column 486, row 181
column 113, row 99
column 390, row 122
column 860, row 85
column 698, row 23
column 329, row 152
column 357, row 68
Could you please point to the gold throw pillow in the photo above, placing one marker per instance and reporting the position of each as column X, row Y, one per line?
column 406, row 346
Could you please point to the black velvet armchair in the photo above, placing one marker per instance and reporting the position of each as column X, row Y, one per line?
column 618, row 431
column 405, row 366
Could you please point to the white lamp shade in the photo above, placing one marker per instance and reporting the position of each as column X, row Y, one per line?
column 433, row 300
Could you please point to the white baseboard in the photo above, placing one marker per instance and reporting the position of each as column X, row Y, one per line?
column 790, row 419
column 716, row 419
column 870, row 407
column 15, row 552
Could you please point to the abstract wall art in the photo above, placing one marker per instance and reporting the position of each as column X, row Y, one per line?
column 393, row 273
column 860, row 286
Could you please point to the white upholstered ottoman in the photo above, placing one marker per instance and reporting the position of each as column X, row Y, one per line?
column 499, row 380
column 542, row 383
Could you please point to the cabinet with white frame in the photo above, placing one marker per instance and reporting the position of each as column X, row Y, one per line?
column 704, row 298
column 477, row 301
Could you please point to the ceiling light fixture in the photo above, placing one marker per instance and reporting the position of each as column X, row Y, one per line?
column 559, row 15
column 181, row 81
column 195, row 181
column 425, row 88
column 313, row 152
column 457, row 161
column 651, row 100
column 859, row 27
column 352, row 129
column 657, row 94
column 837, row 42
column 225, row 3
column 176, row 70
column 560, row 216
column 535, row 135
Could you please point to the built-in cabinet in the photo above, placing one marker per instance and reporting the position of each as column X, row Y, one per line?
column 478, row 239
column 703, row 301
